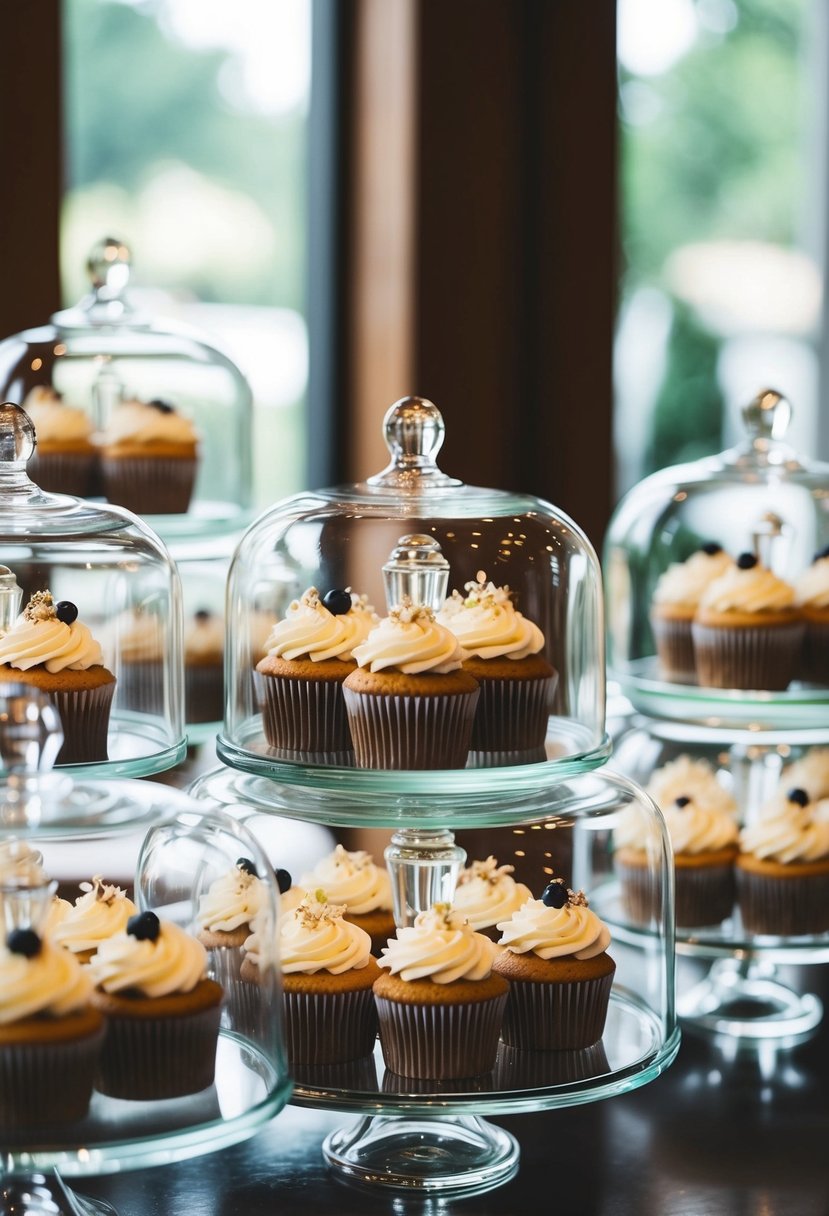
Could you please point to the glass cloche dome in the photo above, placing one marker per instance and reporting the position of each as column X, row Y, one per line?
column 433, row 558
column 717, row 584
column 90, row 614
column 146, row 414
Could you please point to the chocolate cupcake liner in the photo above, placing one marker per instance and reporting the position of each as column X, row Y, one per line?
column 149, row 485
column 513, row 714
column 63, row 472
column 788, row 907
column 519, row 1069
column 440, row 1041
column 557, row 1016
column 141, row 686
column 303, row 715
column 674, row 648
column 815, row 657
column 151, row 1058
column 704, row 895
column 753, row 658
column 84, row 717
column 329, row 1027
column 204, row 693
column 641, row 893
column 47, row 1083
column 406, row 732
column 505, row 759
column 394, row 1083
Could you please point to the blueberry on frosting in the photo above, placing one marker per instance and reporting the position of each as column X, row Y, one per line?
column 25, row 942
column 555, row 894
column 682, row 801
column 163, row 407
column 144, row 927
column 66, row 611
column 746, row 561
column 711, row 547
column 798, row 796
column 245, row 863
column 283, row 881
column 337, row 601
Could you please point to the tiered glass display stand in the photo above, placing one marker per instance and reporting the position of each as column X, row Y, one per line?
column 430, row 1136
column 180, row 856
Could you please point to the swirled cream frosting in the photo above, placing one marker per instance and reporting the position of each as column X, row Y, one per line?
column 100, row 912
column 755, row 589
column 411, row 641
column 38, row 638
column 810, row 773
column 796, row 834
column 352, row 879
column 812, row 588
column 440, row 946
column 694, row 828
column 683, row 583
column 555, row 932
column 310, row 631
column 175, row 962
column 487, row 625
column 233, row 900
column 487, row 893
column 142, row 422
column 50, row 984
column 54, row 421
column 315, row 937
column 687, row 778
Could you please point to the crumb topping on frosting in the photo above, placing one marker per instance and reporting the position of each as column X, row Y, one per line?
column 105, row 893
column 41, row 607
column 488, row 871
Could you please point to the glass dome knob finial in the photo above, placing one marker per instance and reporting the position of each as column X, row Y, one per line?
column 17, row 434
column 413, row 429
column 108, row 266
column 767, row 416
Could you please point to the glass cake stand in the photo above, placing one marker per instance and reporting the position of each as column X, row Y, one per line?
column 428, row 1136
column 179, row 859
column 742, row 995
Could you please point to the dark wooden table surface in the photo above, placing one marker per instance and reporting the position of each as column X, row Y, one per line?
column 721, row 1133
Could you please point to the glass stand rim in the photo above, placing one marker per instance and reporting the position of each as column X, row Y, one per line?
column 743, row 1000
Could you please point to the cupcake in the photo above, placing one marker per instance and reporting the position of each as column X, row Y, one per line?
column 410, row 704
column 487, row 893
column 783, row 868
column 148, row 458
column 308, row 656
column 327, row 977
column 96, row 915
column 440, row 1004
column 227, row 909
column 504, row 655
column 747, row 631
column 50, row 1036
column 49, row 648
column 353, row 879
column 162, row 1013
column 554, row 956
column 204, row 668
column 812, row 598
column 138, row 639
column 675, row 601
column 65, row 456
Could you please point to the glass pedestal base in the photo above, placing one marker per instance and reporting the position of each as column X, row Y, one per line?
column 743, row 999
column 42, row 1195
column 446, row 1155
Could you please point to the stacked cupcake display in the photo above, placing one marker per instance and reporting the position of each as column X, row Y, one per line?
column 717, row 589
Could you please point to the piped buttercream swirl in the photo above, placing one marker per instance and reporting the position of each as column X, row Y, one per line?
column 233, row 900
column 689, row 778
column 175, row 962
column 315, row 937
column 812, row 588
column 310, row 631
column 100, row 912
column 756, row 589
column 440, row 946
column 795, row 834
column 38, row 638
column 487, row 624
column 411, row 641
column 51, row 984
column 135, row 421
column 554, row 932
column 683, row 583
column 54, row 421
column 352, row 879
column 487, row 893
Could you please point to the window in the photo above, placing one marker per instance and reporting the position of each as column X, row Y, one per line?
column 185, row 135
